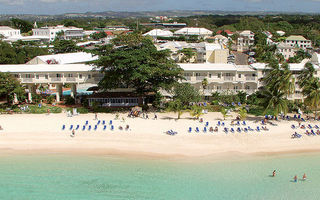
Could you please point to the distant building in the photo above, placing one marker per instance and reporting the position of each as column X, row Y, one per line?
column 190, row 31
column 286, row 50
column 246, row 38
column 281, row 33
column 7, row 31
column 315, row 59
column 70, row 33
column 298, row 41
column 64, row 58
column 159, row 33
column 219, row 39
column 173, row 25
column 228, row 32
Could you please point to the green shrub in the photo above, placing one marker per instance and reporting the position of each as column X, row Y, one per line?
column 259, row 111
column 214, row 108
column 68, row 100
column 49, row 99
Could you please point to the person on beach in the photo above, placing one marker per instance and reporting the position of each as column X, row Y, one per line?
column 73, row 133
column 304, row 177
column 155, row 116
column 295, row 178
column 274, row 173
column 95, row 116
column 147, row 116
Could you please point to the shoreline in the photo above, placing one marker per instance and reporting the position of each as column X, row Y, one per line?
column 37, row 134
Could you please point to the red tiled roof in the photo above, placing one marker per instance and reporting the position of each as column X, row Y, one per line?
column 226, row 31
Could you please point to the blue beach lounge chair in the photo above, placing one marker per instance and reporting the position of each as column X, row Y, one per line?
column 87, row 122
column 71, row 127
column 110, row 122
column 104, row 127
column 112, row 127
column 190, row 130
column 239, row 129
column 222, row 124
column 293, row 126
column 63, row 127
column 207, row 123
column 238, row 123
column 225, row 130
column 89, row 127
column 250, row 129
column 244, row 123
column 83, row 127
column 98, row 122
column 205, row 129
column 258, row 128
column 231, row 130
column 103, row 122
column 219, row 123
column 309, row 126
column 245, row 130
column 95, row 127
column 316, row 126
column 197, row 129
column 77, row 127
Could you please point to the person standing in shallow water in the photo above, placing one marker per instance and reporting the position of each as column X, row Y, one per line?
column 304, row 177
column 295, row 178
column 274, row 173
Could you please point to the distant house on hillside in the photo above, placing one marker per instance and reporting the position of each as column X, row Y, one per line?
column 228, row 32
column 286, row 50
column 298, row 41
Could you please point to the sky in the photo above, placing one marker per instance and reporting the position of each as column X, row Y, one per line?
column 51, row 7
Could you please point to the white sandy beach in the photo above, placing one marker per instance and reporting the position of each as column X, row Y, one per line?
column 32, row 133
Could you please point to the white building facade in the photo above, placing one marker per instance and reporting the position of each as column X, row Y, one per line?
column 69, row 33
column 7, row 32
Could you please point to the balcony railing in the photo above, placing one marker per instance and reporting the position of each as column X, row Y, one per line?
column 200, row 78
column 27, row 80
column 70, row 79
column 229, row 78
column 251, row 78
column 56, row 79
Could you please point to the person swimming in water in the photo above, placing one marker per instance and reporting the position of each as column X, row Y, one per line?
column 274, row 173
column 304, row 177
column 295, row 178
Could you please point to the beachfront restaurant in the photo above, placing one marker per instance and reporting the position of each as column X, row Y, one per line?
column 116, row 99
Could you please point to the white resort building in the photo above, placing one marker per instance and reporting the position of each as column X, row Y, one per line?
column 222, row 78
column 7, row 32
column 69, row 33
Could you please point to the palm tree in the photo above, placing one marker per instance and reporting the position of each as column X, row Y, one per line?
column 274, row 99
column 204, row 83
column 176, row 106
column 311, row 90
column 243, row 113
column 224, row 113
column 196, row 111
column 306, row 75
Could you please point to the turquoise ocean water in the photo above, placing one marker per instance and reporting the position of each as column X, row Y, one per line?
column 71, row 177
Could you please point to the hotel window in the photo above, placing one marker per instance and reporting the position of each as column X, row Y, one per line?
column 16, row 75
column 219, row 75
column 89, row 76
column 197, row 74
column 228, row 74
column 28, row 75
column 210, row 75
column 80, row 76
column 235, row 87
column 37, row 76
column 58, row 75
column 70, row 75
column 247, row 87
column 239, row 75
column 46, row 76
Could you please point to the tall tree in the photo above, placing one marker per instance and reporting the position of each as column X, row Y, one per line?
column 9, row 85
column 23, row 25
column 64, row 46
column 137, row 65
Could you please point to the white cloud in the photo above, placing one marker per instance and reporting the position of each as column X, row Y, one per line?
column 11, row 2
